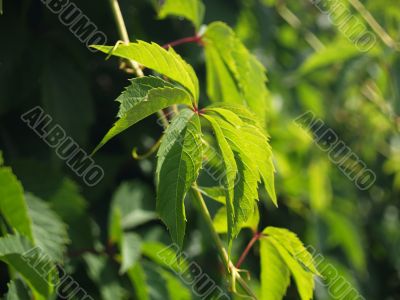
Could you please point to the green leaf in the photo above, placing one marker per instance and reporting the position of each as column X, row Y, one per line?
column 130, row 251
column 170, row 257
column 45, row 224
column 256, row 139
column 293, row 245
column 246, row 181
column 179, row 163
column 231, row 169
column 12, row 203
column 166, row 62
column 261, row 153
column 34, row 266
column 137, row 277
column 275, row 275
column 17, row 291
column 281, row 252
column 345, row 234
column 192, row 10
column 102, row 273
column 221, row 225
column 156, row 99
column 138, row 92
column 131, row 199
column 216, row 193
column 234, row 75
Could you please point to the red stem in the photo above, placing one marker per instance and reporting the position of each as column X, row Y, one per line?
column 190, row 39
column 256, row 236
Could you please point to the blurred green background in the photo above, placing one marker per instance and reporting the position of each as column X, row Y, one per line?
column 311, row 66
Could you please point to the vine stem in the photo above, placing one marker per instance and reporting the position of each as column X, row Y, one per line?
column 190, row 39
column 124, row 36
column 255, row 238
column 218, row 243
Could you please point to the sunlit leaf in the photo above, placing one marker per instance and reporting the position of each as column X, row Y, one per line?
column 179, row 163
column 192, row 10
column 165, row 62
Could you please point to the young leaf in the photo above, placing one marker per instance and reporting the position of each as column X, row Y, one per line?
column 31, row 262
column 157, row 98
column 233, row 74
column 12, row 203
column 179, row 163
column 230, row 172
column 166, row 62
column 275, row 275
column 192, row 10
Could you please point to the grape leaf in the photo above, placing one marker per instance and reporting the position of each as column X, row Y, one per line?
column 166, row 62
column 192, row 10
column 156, row 99
column 179, row 163
column 234, row 75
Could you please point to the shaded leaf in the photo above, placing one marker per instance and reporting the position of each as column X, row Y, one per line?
column 31, row 262
column 49, row 232
column 12, row 203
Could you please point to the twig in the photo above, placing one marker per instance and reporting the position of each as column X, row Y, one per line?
column 221, row 250
column 256, row 236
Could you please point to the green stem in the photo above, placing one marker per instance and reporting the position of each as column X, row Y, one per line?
column 221, row 250
column 124, row 36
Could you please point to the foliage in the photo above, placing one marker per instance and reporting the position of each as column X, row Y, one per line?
column 202, row 202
